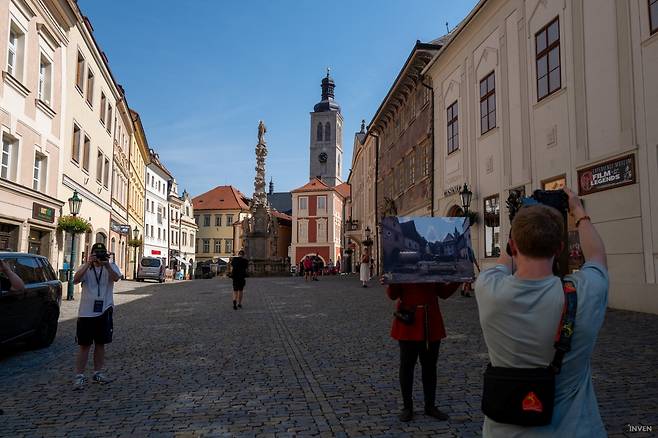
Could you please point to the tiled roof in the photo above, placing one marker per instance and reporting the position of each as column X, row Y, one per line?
column 315, row 185
column 343, row 190
column 220, row 198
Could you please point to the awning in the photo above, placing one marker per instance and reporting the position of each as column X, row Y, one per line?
column 182, row 261
column 225, row 259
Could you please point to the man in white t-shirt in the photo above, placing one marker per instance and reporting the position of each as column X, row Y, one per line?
column 95, row 325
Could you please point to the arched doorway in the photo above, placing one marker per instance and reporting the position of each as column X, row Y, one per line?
column 455, row 211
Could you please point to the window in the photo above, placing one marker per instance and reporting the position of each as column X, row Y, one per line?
column 322, row 204
column 206, row 220
column 103, row 105
column 318, row 134
column 109, row 118
column 40, row 168
column 554, row 183
column 322, row 231
column 16, row 51
column 229, row 220
column 75, row 147
column 106, row 173
column 327, row 131
column 653, row 16
column 206, row 245
column 303, row 203
column 45, row 80
column 90, row 87
column 184, row 238
column 86, row 151
column 426, row 159
column 302, row 231
column 452, row 114
column 159, row 233
column 487, row 103
column 218, row 246
column 80, row 72
column 159, row 214
column 196, row 219
column 547, row 48
column 492, row 226
column 99, row 166
column 8, row 160
column 218, row 220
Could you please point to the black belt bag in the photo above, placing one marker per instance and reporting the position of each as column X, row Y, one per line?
column 526, row 396
column 406, row 316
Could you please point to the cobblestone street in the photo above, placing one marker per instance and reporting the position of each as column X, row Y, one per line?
column 299, row 359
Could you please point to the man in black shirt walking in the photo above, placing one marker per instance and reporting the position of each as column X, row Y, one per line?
column 239, row 267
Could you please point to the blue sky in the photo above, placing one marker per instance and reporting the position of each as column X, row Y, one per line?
column 202, row 73
column 435, row 228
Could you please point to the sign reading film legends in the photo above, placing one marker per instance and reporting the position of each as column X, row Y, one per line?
column 607, row 175
column 43, row 213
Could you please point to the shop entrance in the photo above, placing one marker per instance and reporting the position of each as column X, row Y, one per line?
column 8, row 237
column 38, row 242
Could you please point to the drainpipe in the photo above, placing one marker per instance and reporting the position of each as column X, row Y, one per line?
column 376, row 197
column 432, row 134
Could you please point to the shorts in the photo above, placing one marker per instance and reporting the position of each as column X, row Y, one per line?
column 238, row 284
column 96, row 329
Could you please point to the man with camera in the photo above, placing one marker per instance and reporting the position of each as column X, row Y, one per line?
column 95, row 325
column 521, row 305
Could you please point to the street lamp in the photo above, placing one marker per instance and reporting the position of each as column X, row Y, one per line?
column 135, row 237
column 75, row 202
column 466, row 196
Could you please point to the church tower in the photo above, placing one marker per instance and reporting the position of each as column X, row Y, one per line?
column 327, row 137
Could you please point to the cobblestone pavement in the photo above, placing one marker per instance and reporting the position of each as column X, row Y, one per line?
column 299, row 359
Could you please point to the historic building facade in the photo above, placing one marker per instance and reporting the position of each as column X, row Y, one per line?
column 88, row 132
column 156, row 218
column 215, row 213
column 138, row 160
column 187, row 232
column 326, row 137
column 317, row 218
column 535, row 94
column 33, row 44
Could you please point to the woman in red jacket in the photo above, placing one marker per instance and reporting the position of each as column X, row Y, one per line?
column 419, row 336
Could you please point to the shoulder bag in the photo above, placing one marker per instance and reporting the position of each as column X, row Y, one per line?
column 526, row 396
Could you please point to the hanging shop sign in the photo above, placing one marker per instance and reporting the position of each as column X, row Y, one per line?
column 43, row 213
column 607, row 175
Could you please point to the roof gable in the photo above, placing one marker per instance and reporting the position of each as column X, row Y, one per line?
column 220, row 198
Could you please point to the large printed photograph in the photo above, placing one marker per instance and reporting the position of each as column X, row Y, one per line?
column 427, row 250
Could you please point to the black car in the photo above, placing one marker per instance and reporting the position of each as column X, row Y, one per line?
column 32, row 313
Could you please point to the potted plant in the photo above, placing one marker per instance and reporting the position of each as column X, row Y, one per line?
column 473, row 217
column 73, row 224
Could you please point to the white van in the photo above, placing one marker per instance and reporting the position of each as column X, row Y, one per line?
column 151, row 268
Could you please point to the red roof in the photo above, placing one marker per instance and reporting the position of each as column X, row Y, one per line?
column 221, row 198
column 281, row 215
column 315, row 185
column 343, row 190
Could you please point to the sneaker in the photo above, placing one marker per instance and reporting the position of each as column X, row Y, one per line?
column 239, row 306
column 101, row 378
column 406, row 415
column 79, row 382
column 434, row 412
column 235, row 306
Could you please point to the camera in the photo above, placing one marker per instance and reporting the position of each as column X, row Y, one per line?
column 557, row 199
column 102, row 256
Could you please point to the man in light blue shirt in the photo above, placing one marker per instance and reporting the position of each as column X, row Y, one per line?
column 520, row 303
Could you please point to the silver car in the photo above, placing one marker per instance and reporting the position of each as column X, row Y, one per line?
column 151, row 268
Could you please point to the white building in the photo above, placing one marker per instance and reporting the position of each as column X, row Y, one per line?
column 156, row 220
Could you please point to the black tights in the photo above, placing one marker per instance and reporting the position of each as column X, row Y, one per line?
column 410, row 351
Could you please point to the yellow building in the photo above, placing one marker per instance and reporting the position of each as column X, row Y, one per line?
column 215, row 212
column 138, row 158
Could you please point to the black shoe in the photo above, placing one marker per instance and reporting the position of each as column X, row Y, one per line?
column 365, row 285
column 235, row 305
column 239, row 306
column 434, row 412
column 406, row 415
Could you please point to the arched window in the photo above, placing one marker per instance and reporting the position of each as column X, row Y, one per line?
column 101, row 238
column 327, row 132
column 113, row 245
column 319, row 132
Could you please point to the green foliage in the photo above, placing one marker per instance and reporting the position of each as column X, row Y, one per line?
column 473, row 217
column 73, row 224
column 135, row 243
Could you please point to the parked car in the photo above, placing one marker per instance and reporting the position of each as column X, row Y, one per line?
column 151, row 268
column 32, row 313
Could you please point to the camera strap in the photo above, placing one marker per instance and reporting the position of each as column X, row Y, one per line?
column 98, row 278
column 567, row 325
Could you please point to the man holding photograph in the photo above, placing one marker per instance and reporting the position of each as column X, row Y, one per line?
column 520, row 310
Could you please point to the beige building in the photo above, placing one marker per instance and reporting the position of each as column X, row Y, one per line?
column 138, row 157
column 187, row 231
column 91, row 97
column 33, row 44
column 120, row 231
column 547, row 93
column 215, row 213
